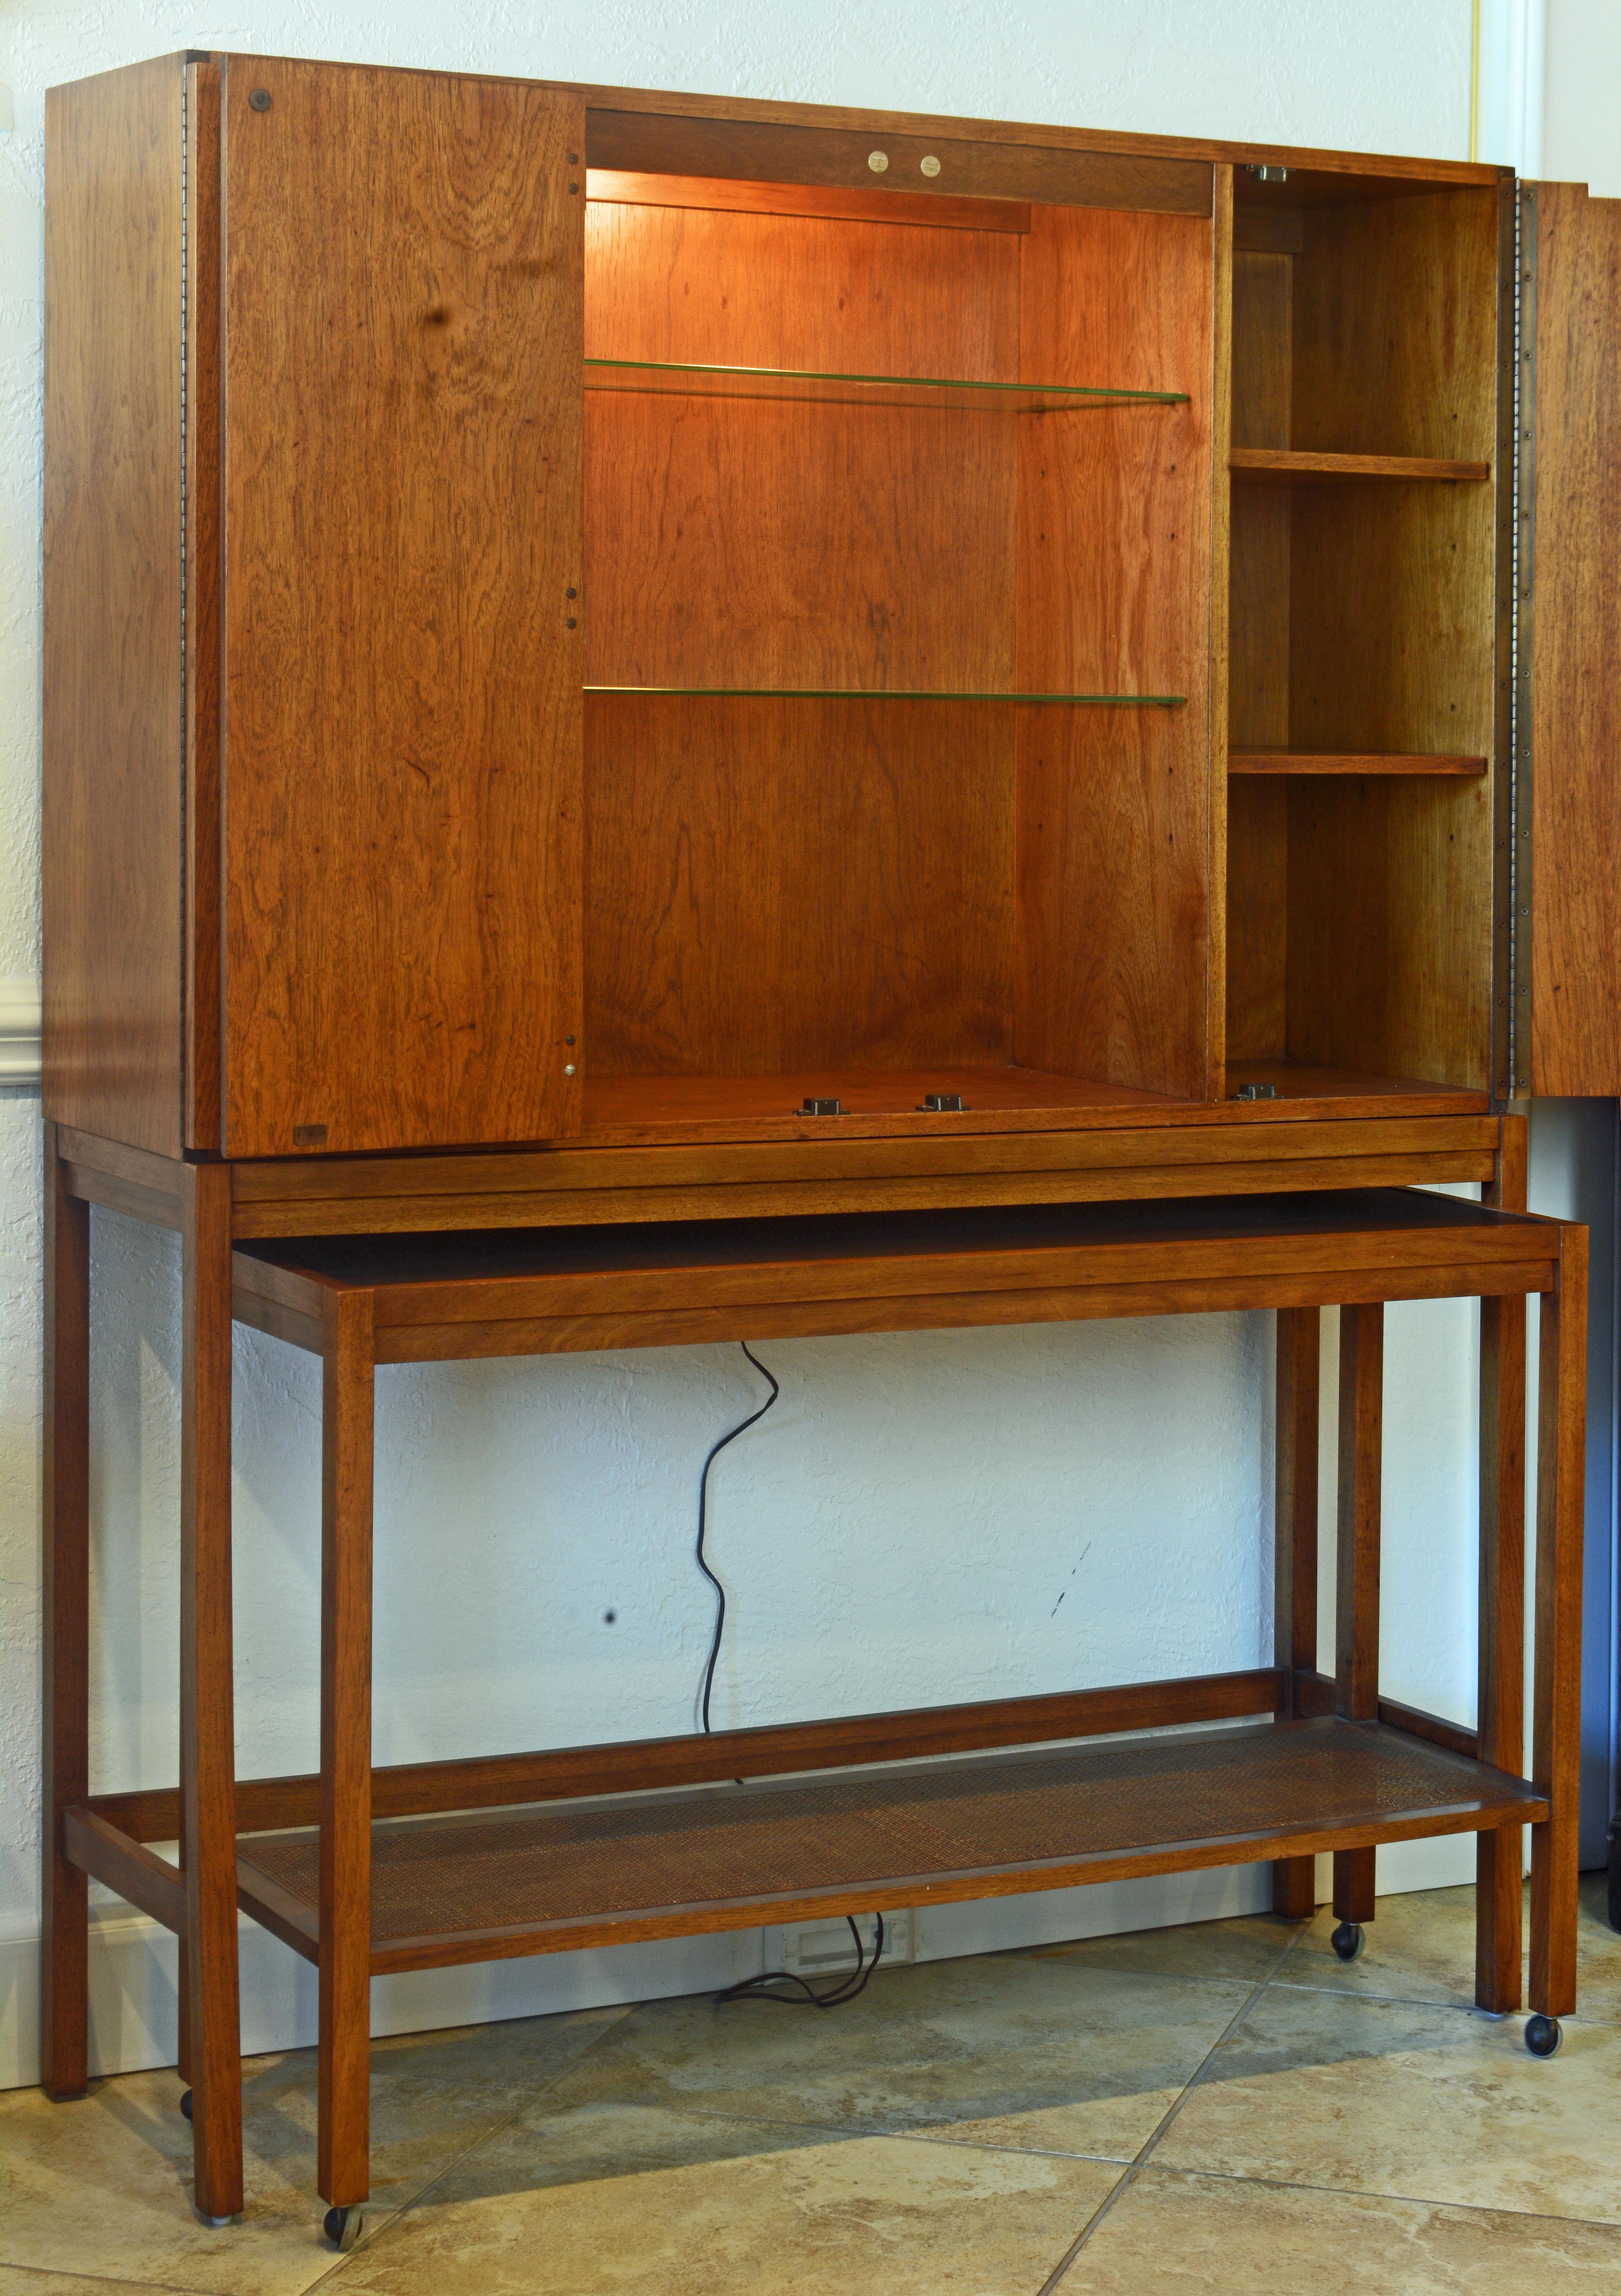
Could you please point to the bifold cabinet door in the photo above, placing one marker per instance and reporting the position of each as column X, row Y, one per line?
column 402, row 321
column 1574, row 532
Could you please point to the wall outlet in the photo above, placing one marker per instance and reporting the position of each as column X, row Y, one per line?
column 815, row 1949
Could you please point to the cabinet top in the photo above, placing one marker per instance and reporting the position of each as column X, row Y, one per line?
column 661, row 130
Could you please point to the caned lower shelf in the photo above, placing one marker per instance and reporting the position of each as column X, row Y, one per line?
column 493, row 1885
column 965, row 393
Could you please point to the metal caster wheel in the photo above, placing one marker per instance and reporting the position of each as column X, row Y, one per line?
column 343, row 2227
column 186, row 2105
column 1543, row 2035
column 1348, row 1941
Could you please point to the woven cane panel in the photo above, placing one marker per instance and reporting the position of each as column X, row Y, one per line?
column 571, row 1861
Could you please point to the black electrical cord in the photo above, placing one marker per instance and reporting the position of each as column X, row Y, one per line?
column 742, row 1426
column 759, row 1989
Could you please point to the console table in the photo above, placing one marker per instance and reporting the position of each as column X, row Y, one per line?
column 365, row 1871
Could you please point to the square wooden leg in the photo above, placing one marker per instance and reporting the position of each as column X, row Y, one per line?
column 1556, row 1722
column 343, row 2133
column 1500, row 1854
column 208, row 1747
column 1501, row 1722
column 1362, row 1392
column 1295, row 1576
column 65, row 1654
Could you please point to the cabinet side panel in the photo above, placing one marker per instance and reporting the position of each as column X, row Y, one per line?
column 1575, row 731
column 404, row 282
column 112, row 700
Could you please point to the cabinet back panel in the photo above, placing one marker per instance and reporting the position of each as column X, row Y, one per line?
column 113, row 899
column 776, row 885
column 828, row 293
column 738, row 542
column 1394, row 328
column 402, row 749
column 1113, row 869
column 731, row 542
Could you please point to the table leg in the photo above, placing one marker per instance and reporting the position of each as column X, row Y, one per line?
column 64, row 1937
column 207, row 1748
column 347, row 1405
column 1362, row 1382
column 1499, row 1856
column 1556, row 1726
column 1295, row 1576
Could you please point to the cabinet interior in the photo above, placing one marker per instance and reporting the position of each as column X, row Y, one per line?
column 828, row 848
column 1358, row 901
column 815, row 884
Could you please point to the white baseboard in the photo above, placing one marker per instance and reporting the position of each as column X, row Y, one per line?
column 132, row 1962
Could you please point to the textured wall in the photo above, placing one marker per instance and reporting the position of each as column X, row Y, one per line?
column 945, row 1516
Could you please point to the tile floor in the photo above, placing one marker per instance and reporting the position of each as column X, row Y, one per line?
column 1219, row 2107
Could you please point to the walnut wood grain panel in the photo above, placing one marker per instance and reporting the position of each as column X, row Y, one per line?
column 1394, row 329
column 1257, row 920
column 749, row 911
column 403, row 523
column 715, row 143
column 769, row 543
column 1115, row 573
column 1135, row 1183
column 111, row 826
column 1576, row 728
column 831, row 293
column 202, row 952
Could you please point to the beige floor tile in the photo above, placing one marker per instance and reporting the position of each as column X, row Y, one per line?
column 103, row 2187
column 1410, row 2099
column 611, row 2198
column 1008, row 2050
column 1244, row 1950
column 1166, row 2233
column 1421, row 1947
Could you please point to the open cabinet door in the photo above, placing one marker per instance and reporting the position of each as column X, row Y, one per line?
column 1570, row 518
column 402, row 293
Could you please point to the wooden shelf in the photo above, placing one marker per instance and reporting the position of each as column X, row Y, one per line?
column 1302, row 1081
column 1291, row 466
column 495, row 1885
column 1348, row 761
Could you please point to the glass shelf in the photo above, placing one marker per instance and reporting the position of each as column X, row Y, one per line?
column 862, row 389
column 897, row 693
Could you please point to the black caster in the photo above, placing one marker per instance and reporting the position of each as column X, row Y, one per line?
column 1348, row 1941
column 343, row 2227
column 186, row 2105
column 1543, row 2035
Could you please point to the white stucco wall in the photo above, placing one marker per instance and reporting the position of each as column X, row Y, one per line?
column 922, row 1518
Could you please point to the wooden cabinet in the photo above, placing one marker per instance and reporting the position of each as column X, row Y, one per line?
column 576, row 617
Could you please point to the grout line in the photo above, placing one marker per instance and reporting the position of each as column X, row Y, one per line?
column 47, row 2273
column 1395, row 2200
column 1050, row 2285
